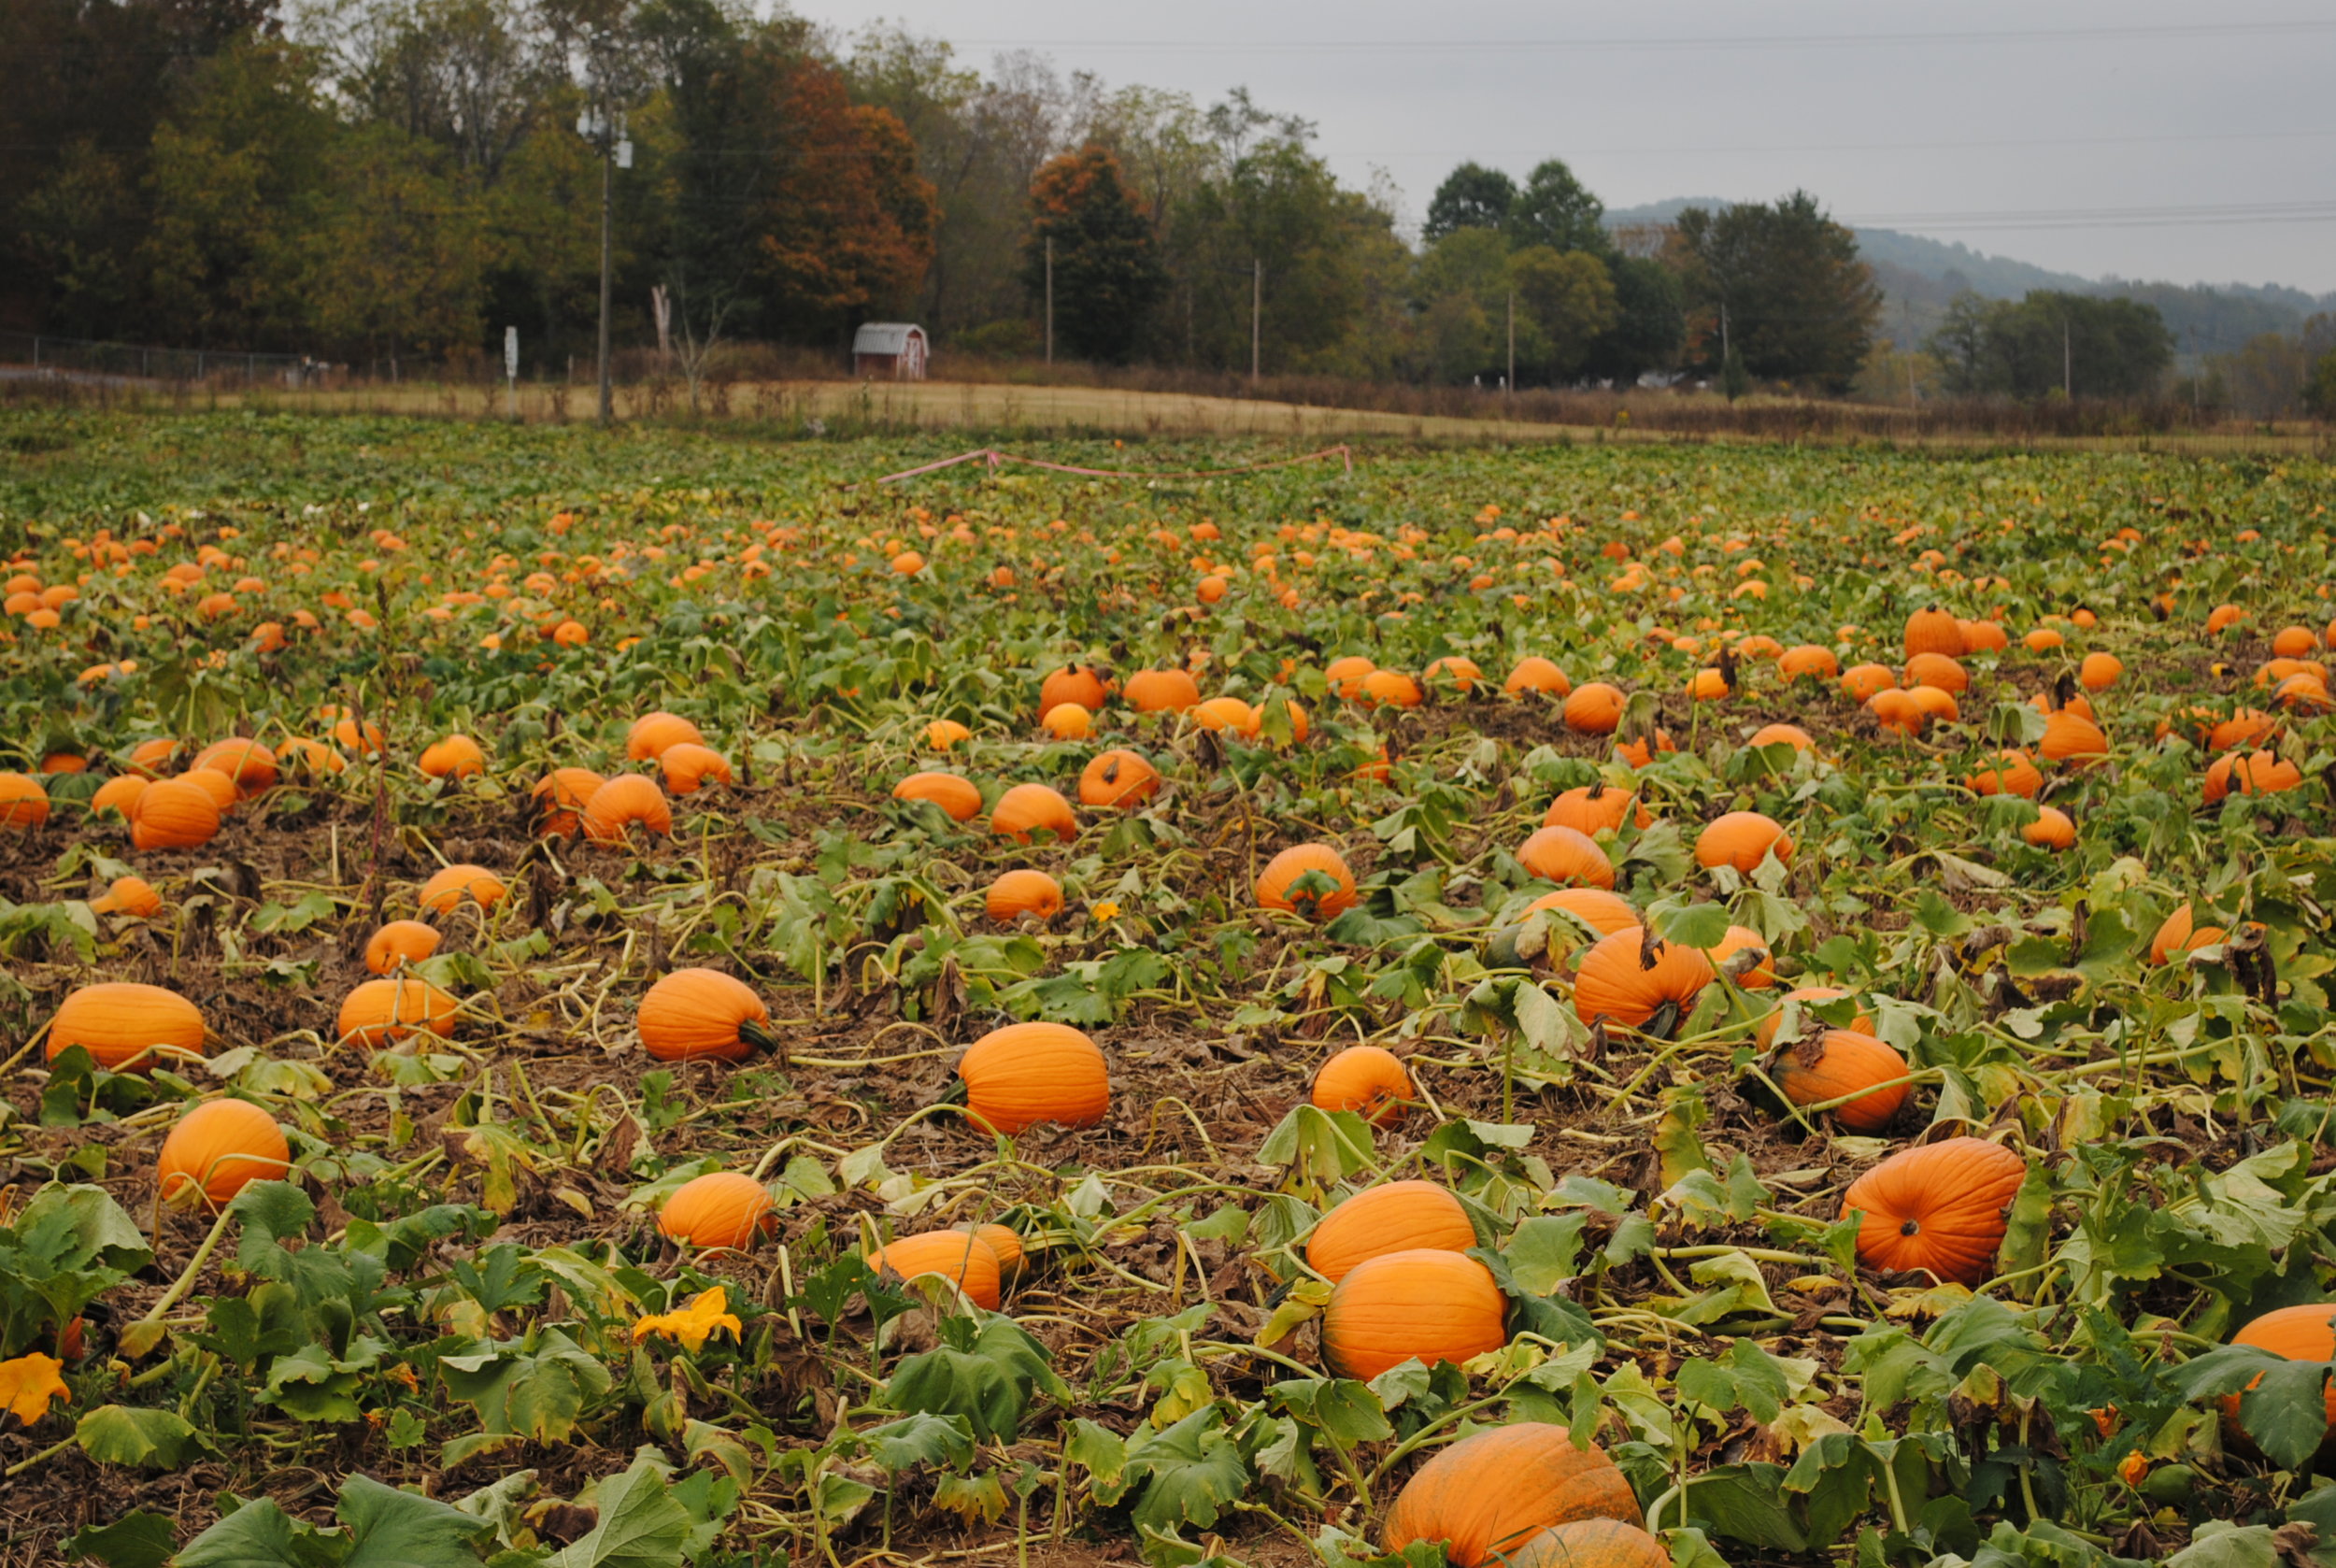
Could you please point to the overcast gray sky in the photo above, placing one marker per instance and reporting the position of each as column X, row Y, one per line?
column 2194, row 142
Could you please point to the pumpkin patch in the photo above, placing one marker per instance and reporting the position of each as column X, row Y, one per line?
column 1612, row 1003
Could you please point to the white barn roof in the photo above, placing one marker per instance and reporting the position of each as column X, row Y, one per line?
column 883, row 337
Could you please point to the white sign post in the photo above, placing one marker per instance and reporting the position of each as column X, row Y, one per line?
column 511, row 367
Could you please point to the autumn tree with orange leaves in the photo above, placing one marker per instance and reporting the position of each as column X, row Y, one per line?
column 1107, row 273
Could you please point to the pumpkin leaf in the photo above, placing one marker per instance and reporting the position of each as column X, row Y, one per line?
column 135, row 1540
column 641, row 1524
column 1192, row 1472
column 127, row 1434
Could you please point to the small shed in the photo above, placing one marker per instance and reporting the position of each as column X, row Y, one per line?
column 893, row 349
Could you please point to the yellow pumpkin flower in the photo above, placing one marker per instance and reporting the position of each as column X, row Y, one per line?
column 693, row 1324
column 28, row 1383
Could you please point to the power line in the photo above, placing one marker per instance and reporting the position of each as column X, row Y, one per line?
column 2114, row 34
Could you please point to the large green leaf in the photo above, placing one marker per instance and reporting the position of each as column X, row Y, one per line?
column 130, row 1434
column 640, row 1526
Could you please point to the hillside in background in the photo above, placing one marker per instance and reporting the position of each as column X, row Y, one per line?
column 1919, row 276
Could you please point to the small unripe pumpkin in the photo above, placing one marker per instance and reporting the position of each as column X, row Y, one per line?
column 218, row 1148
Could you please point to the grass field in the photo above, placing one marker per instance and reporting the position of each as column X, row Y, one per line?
column 1567, row 1002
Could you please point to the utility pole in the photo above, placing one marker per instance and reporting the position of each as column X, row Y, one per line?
column 1508, row 387
column 1257, row 317
column 604, row 128
column 1051, row 299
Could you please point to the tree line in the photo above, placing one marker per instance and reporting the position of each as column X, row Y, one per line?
column 392, row 180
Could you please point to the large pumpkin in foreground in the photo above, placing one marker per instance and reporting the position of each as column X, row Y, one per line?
column 1591, row 1544
column 1026, row 1074
column 1628, row 978
column 1489, row 1494
column 1939, row 1207
column 1426, row 1303
column 699, row 1014
column 1842, row 1061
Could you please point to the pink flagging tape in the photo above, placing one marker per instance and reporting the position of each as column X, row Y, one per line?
column 996, row 458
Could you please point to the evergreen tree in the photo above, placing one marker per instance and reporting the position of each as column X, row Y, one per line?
column 1107, row 275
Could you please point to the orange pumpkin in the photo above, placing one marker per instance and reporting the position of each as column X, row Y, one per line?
column 174, row 814
column 2071, row 738
column 1491, row 1493
column 1162, row 691
column 123, row 1025
column 1028, row 1073
column 1534, row 672
column 1118, row 777
column 1566, row 857
column 616, row 807
column 1596, row 910
column 1808, row 661
column 955, row 795
column 213, row 783
column 1003, row 1242
column 1783, row 735
column 1842, row 1061
column 1937, row 669
column 1765, row 1031
column 2099, row 671
column 1021, row 892
column 1389, row 688
column 381, row 1012
column 688, row 767
column 455, row 757
column 1067, row 721
column 451, row 887
column 118, row 794
column 1596, row 808
column 702, row 1014
column 2251, row 772
column 1456, row 670
column 1934, row 630
column 719, row 1209
column 1629, row 975
column 398, row 944
column 251, row 765
column 219, row 1147
column 1370, row 1079
column 2007, row 772
column 24, row 802
column 1276, row 882
column 2296, row 1334
column 1027, row 810
column 944, row 735
column 133, row 896
column 1938, row 1208
column 1392, row 1216
column 559, row 798
column 1755, row 972
column 1594, row 708
column 959, row 1257
column 2177, row 936
column 1346, row 674
column 1742, row 839
column 1071, row 685
column 1226, row 715
column 2051, row 830
column 1424, row 1303
column 653, row 732
column 1591, row 1544
column 1862, row 683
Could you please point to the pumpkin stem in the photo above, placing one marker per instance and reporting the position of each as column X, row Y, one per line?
column 761, row 1037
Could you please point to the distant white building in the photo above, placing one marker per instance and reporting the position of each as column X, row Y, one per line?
column 893, row 349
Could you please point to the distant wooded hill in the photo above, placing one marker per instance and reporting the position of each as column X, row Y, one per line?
column 1919, row 276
